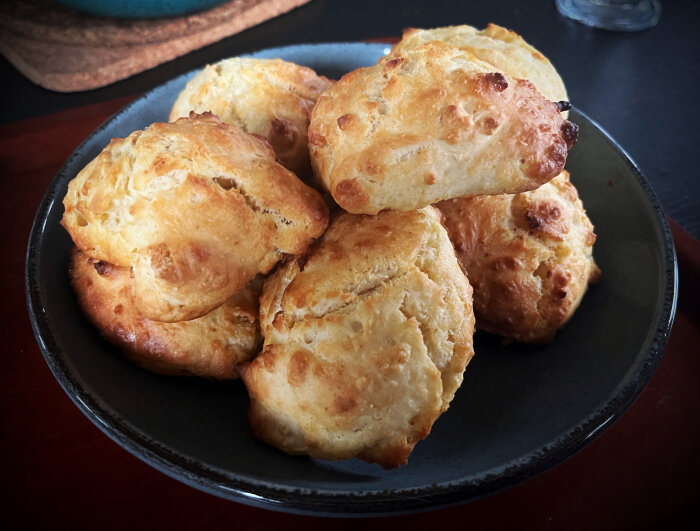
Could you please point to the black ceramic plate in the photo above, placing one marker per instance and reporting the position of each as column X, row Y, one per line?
column 521, row 410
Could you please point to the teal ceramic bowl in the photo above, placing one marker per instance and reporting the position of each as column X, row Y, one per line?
column 140, row 8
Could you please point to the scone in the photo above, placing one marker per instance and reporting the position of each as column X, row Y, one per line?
column 366, row 340
column 529, row 257
column 433, row 122
column 210, row 346
column 196, row 207
column 504, row 49
column 268, row 97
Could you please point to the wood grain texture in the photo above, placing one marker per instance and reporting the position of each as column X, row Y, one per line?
column 64, row 50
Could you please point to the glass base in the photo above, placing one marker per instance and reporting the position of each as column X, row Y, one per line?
column 617, row 15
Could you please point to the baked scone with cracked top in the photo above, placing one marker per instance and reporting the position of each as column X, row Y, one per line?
column 197, row 208
column 433, row 122
column 529, row 257
column 507, row 51
column 209, row 346
column 366, row 340
column 268, row 97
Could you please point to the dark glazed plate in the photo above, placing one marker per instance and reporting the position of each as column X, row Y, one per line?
column 521, row 410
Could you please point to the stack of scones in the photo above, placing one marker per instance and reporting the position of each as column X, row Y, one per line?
column 335, row 244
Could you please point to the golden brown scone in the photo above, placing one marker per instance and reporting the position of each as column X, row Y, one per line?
column 529, row 257
column 197, row 207
column 210, row 346
column 269, row 97
column 365, row 341
column 504, row 49
column 430, row 123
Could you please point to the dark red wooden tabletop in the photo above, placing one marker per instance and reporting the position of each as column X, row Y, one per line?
column 61, row 472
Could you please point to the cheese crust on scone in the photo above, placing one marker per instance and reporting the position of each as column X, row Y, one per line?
column 507, row 51
column 268, row 97
column 429, row 123
column 528, row 256
column 209, row 346
column 366, row 340
column 197, row 208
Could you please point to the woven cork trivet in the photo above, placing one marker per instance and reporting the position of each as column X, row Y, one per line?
column 64, row 50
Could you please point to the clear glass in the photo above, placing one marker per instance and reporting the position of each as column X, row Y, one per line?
column 618, row 15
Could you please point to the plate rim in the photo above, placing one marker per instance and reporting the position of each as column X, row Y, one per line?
column 301, row 500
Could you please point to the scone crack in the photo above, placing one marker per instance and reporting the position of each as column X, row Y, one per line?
column 543, row 270
column 410, row 316
column 403, row 154
column 347, row 305
column 354, row 295
column 286, row 87
column 230, row 183
column 376, row 106
column 232, row 115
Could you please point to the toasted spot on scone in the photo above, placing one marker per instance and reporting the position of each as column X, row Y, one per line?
column 569, row 132
column 366, row 346
column 529, row 257
column 298, row 366
column 546, row 216
column 488, row 124
column 345, row 121
column 492, row 81
column 350, row 193
column 210, row 346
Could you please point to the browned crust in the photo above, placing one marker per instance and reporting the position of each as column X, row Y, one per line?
column 366, row 340
column 197, row 208
column 528, row 257
column 269, row 97
column 433, row 110
column 210, row 346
